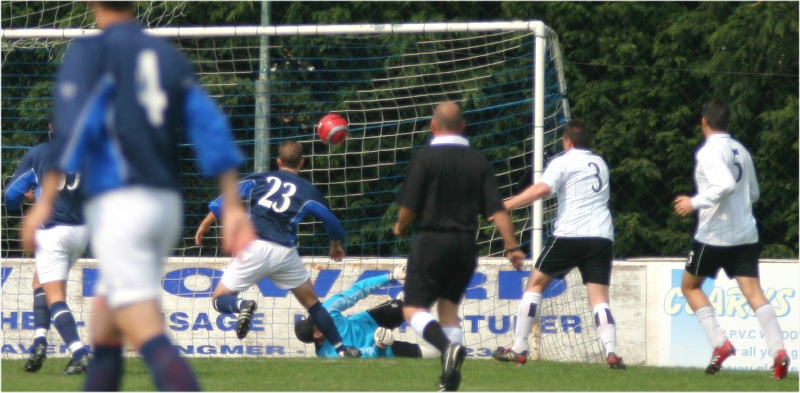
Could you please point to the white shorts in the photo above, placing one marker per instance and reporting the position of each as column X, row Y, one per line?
column 57, row 249
column 132, row 231
column 265, row 259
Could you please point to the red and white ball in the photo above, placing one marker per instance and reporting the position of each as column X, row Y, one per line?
column 332, row 129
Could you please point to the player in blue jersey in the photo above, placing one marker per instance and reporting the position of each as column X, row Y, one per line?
column 369, row 331
column 125, row 101
column 60, row 242
column 278, row 201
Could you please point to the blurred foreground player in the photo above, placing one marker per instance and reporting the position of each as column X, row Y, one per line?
column 121, row 99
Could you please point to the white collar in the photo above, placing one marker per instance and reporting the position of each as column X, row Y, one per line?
column 449, row 140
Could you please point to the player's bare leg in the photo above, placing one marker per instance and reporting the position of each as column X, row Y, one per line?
column 765, row 312
column 705, row 314
column 528, row 313
column 604, row 321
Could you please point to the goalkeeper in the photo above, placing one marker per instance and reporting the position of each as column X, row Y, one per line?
column 369, row 331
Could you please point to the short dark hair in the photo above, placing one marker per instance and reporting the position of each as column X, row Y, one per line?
column 129, row 6
column 717, row 114
column 304, row 330
column 291, row 154
column 579, row 132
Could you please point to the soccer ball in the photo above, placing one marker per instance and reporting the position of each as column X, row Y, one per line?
column 332, row 129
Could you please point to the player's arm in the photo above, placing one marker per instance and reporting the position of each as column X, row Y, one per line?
column 529, row 195
column 720, row 184
column 358, row 291
column 203, row 228
column 506, row 227
column 755, row 191
column 215, row 210
column 21, row 183
column 332, row 226
column 41, row 211
column 210, row 134
column 405, row 217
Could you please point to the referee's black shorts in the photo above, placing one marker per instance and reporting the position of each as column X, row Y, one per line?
column 440, row 265
column 592, row 256
column 737, row 261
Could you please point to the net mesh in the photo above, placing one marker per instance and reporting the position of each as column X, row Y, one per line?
column 385, row 85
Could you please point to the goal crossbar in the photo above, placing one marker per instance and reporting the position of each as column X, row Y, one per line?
column 537, row 27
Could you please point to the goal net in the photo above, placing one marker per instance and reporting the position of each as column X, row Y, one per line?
column 275, row 83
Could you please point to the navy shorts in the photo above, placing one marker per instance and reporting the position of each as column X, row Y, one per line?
column 705, row 260
column 592, row 256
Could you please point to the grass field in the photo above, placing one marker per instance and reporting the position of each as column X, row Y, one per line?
column 408, row 375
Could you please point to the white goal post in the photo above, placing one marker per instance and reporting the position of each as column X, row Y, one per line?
column 385, row 79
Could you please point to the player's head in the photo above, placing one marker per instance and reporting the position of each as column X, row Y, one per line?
column 107, row 13
column 716, row 115
column 304, row 330
column 448, row 119
column 578, row 133
column 290, row 155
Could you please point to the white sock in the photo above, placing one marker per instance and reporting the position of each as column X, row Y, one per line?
column 75, row 346
column 420, row 320
column 606, row 327
column 527, row 314
column 772, row 330
column 708, row 321
column 40, row 332
column 455, row 334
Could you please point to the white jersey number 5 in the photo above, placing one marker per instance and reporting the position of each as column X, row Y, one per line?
column 148, row 87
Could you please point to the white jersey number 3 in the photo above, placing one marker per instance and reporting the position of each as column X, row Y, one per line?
column 148, row 87
column 283, row 204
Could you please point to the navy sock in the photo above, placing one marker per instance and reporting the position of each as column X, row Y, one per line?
column 170, row 371
column 325, row 324
column 41, row 314
column 434, row 334
column 105, row 370
column 227, row 304
column 64, row 322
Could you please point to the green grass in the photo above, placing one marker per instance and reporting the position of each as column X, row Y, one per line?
column 407, row 375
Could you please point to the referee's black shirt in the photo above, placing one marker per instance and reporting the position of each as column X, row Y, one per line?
column 448, row 185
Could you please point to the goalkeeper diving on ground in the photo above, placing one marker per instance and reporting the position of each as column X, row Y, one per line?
column 370, row 331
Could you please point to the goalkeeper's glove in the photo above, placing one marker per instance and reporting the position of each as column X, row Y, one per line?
column 398, row 274
column 384, row 337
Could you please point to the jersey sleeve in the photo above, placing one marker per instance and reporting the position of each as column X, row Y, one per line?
column 554, row 175
column 358, row 291
column 329, row 220
column 22, row 181
column 492, row 202
column 720, row 179
column 412, row 192
column 208, row 130
column 245, row 186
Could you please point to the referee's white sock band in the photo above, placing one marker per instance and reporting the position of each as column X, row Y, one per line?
column 420, row 320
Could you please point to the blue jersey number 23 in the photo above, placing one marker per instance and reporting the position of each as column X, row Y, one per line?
column 276, row 185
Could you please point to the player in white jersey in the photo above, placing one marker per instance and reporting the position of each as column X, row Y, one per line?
column 583, row 238
column 726, row 236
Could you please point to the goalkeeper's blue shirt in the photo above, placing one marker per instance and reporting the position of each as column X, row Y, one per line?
column 124, row 101
column 278, row 201
column 32, row 167
column 357, row 330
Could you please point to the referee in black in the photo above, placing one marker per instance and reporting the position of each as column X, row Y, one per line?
column 448, row 185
